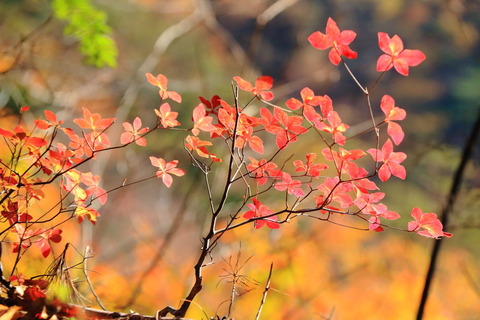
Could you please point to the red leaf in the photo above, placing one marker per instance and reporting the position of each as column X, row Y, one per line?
column 262, row 85
column 243, row 84
column 333, row 38
column 390, row 161
column 292, row 187
column 258, row 210
column 168, row 118
column 6, row 133
column 195, row 144
column 161, row 82
column 33, row 294
column 201, row 120
column 93, row 121
column 133, row 133
column 393, row 113
column 395, row 56
column 165, row 169
column 262, row 170
column 427, row 224
column 256, row 144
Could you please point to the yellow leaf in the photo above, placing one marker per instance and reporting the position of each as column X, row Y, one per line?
column 7, row 62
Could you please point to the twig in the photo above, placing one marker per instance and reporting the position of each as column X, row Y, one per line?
column 452, row 197
column 264, row 297
column 87, row 251
column 18, row 46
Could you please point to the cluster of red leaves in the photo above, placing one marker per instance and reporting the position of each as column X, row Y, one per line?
column 395, row 56
column 352, row 187
column 28, row 300
column 335, row 180
column 37, row 158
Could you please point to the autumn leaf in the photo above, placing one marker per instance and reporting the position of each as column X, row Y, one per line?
column 335, row 127
column 262, row 170
column 245, row 135
column 310, row 167
column 395, row 56
column 334, row 190
column 201, row 120
column 195, row 144
column 93, row 187
column 93, row 121
column 161, row 82
column 262, row 86
column 390, row 161
column 165, row 169
column 134, row 133
column 50, row 122
column 33, row 294
column 427, row 224
column 394, row 130
column 53, row 235
column 82, row 212
column 333, row 38
column 168, row 118
column 257, row 210
column 292, row 186
column 286, row 128
column 308, row 98
column 211, row 105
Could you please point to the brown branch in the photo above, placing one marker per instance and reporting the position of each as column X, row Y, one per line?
column 91, row 313
column 452, row 197
column 208, row 241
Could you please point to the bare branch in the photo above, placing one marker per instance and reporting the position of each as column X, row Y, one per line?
column 85, row 272
column 448, row 208
column 264, row 297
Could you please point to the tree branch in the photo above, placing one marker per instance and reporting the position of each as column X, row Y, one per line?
column 452, row 197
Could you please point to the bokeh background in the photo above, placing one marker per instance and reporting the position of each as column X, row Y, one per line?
column 321, row 271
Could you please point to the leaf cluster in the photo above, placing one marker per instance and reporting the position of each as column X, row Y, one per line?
column 89, row 26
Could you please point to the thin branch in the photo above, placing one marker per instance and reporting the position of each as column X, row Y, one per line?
column 18, row 46
column 264, row 297
column 97, row 298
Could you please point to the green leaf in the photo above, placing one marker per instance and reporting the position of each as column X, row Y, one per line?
column 89, row 26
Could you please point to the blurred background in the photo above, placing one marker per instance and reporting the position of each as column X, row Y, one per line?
column 150, row 235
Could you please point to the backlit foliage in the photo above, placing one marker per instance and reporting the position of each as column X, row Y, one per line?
column 337, row 183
